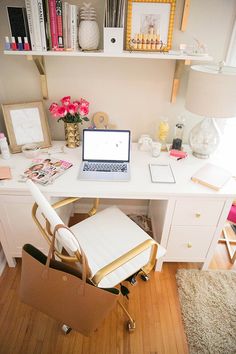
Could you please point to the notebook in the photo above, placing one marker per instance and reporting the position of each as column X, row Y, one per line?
column 105, row 155
column 212, row 176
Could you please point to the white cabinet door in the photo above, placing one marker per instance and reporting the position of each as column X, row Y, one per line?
column 18, row 225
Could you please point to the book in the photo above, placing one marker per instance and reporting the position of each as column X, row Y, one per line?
column 47, row 24
column 72, row 27
column 53, row 23
column 29, row 19
column 65, row 6
column 45, row 171
column 5, row 172
column 36, row 25
column 212, row 176
column 59, row 23
column 42, row 24
column 161, row 173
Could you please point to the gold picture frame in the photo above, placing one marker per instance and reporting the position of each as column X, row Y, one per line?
column 26, row 123
column 150, row 25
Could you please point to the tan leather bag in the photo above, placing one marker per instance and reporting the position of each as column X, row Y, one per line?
column 57, row 290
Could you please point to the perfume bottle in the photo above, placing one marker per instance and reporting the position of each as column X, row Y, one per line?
column 178, row 136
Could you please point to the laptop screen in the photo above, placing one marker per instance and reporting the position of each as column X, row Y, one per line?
column 106, row 145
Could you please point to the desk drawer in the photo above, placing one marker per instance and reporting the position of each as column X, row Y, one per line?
column 197, row 211
column 189, row 244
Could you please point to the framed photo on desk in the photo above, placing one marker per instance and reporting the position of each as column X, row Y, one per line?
column 26, row 123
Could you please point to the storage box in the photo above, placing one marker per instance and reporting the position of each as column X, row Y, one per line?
column 113, row 39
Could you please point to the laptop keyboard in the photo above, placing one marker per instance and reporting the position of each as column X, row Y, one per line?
column 105, row 167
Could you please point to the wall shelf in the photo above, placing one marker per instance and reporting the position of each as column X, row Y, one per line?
column 125, row 54
column 181, row 61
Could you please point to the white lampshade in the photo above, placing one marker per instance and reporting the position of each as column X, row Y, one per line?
column 211, row 91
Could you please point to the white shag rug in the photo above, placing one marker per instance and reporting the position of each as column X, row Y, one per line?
column 208, row 305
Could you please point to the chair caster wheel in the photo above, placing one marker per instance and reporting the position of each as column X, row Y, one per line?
column 131, row 326
column 144, row 277
column 66, row 329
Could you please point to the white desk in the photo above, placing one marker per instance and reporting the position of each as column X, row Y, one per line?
column 187, row 218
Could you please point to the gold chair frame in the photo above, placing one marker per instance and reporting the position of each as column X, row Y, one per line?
column 76, row 257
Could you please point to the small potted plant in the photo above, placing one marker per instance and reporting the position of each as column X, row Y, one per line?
column 72, row 114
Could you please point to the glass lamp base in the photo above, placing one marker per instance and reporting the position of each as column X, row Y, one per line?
column 204, row 138
column 200, row 156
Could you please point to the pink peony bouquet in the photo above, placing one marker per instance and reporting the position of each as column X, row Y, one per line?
column 70, row 112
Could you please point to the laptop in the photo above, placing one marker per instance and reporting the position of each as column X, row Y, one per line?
column 105, row 155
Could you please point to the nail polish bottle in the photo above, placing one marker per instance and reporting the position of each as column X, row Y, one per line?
column 20, row 44
column 26, row 44
column 13, row 43
column 7, row 44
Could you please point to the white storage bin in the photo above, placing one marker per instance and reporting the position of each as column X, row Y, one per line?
column 113, row 39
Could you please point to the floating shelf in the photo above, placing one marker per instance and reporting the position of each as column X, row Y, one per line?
column 125, row 54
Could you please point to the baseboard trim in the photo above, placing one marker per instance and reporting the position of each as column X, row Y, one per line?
column 3, row 262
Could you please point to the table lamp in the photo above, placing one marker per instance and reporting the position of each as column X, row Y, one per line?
column 211, row 93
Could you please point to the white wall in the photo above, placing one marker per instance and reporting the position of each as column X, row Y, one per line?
column 135, row 93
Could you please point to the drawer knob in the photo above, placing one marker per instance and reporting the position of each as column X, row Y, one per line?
column 189, row 245
column 198, row 215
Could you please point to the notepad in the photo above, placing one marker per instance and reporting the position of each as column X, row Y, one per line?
column 5, row 172
column 211, row 176
column 161, row 173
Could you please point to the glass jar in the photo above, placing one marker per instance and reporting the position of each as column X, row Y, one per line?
column 178, row 136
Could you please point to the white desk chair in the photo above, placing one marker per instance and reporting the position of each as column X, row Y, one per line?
column 115, row 246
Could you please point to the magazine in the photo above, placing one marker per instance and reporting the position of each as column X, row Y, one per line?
column 44, row 171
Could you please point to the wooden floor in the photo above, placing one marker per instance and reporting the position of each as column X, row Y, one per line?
column 154, row 305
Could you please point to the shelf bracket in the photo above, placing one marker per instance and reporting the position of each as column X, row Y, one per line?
column 185, row 15
column 179, row 68
column 39, row 62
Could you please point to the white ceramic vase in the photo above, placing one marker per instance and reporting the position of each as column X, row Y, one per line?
column 88, row 35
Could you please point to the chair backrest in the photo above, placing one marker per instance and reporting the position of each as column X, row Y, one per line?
column 65, row 237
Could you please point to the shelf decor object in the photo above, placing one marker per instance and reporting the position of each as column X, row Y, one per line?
column 150, row 25
column 113, row 32
column 210, row 93
column 26, row 123
column 88, row 28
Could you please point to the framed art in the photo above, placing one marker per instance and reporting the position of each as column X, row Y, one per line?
column 26, row 123
column 150, row 25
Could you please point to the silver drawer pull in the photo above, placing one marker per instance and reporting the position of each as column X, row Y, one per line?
column 189, row 245
column 198, row 215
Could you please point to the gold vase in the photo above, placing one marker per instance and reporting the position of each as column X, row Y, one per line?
column 72, row 135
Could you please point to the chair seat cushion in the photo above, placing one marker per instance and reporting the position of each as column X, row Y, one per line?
column 108, row 235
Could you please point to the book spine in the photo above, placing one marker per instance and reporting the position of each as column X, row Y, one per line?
column 48, row 30
column 36, row 25
column 65, row 23
column 46, row 23
column 74, row 13
column 53, row 23
column 29, row 18
column 59, row 23
column 69, row 25
column 42, row 25
column 26, row 25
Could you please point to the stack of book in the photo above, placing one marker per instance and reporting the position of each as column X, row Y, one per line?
column 52, row 24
